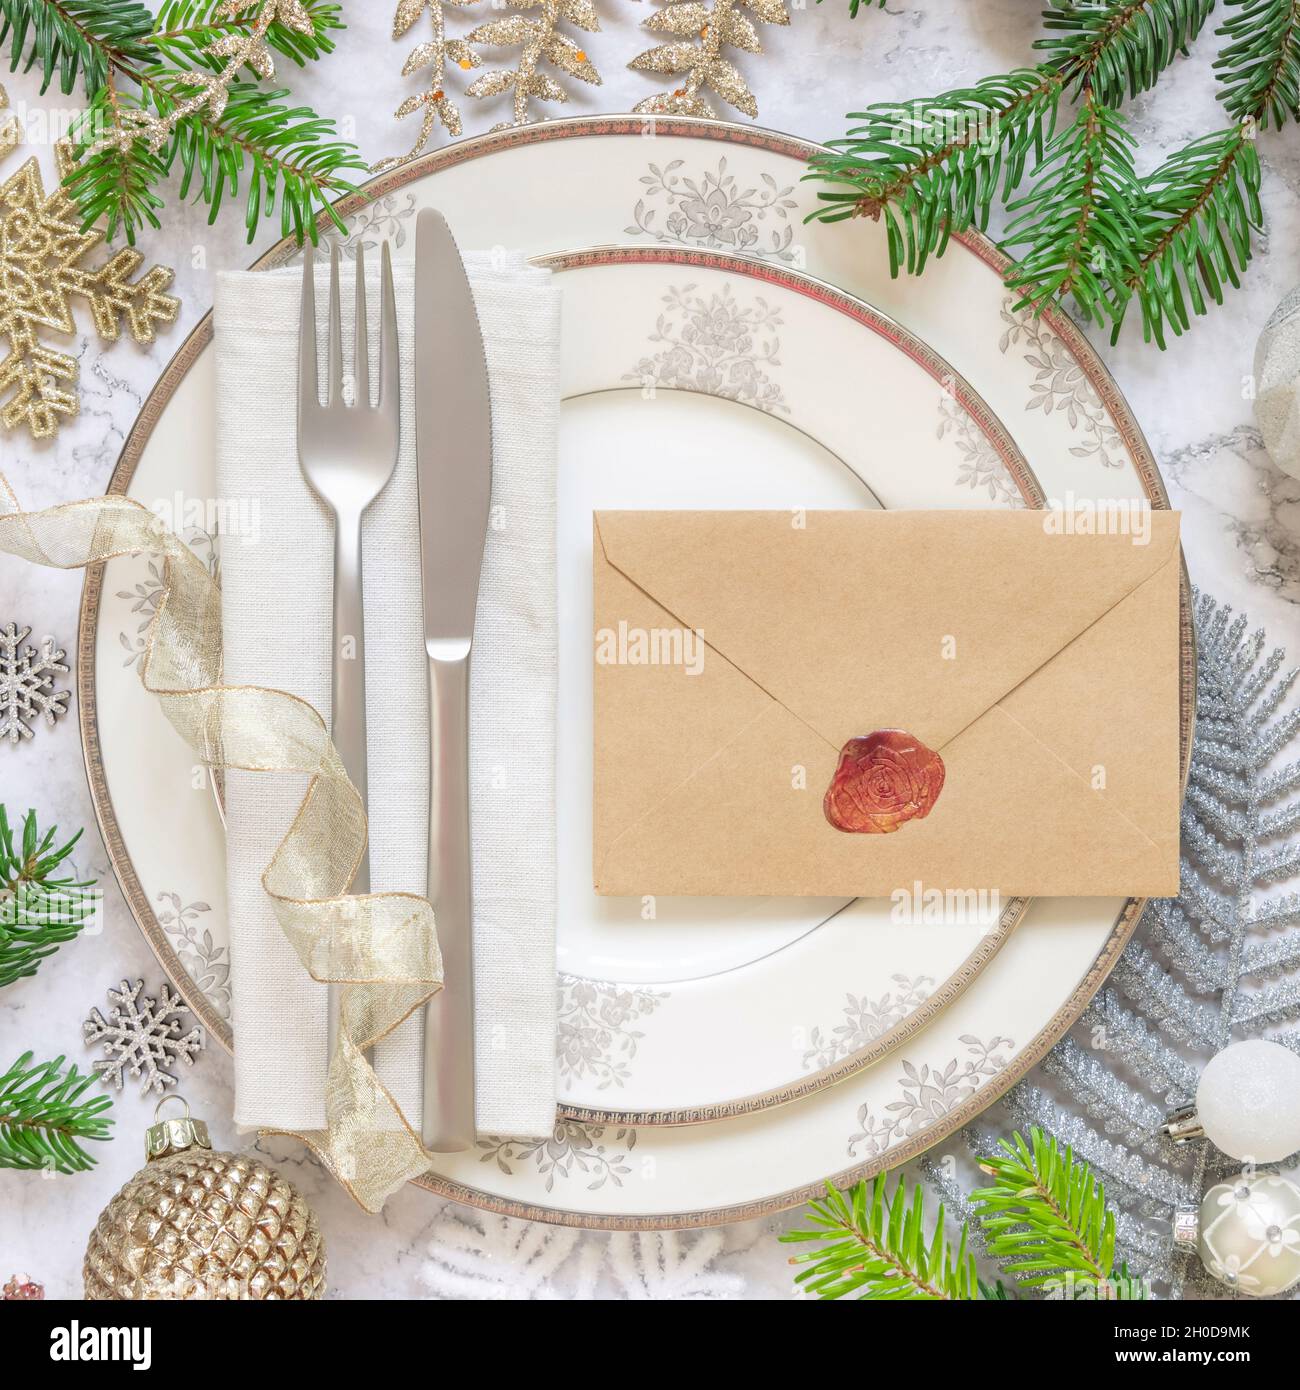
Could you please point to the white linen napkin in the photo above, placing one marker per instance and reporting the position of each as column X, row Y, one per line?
column 276, row 609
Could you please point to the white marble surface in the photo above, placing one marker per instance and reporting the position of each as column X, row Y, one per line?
column 1241, row 533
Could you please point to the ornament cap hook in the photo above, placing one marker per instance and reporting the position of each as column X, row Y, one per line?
column 1183, row 1125
column 173, row 1136
column 165, row 1099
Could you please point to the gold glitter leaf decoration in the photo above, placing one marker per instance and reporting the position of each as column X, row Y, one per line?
column 668, row 59
column 246, row 47
column 711, row 29
column 421, row 56
column 544, row 87
column 541, row 39
column 434, row 54
column 294, row 14
column 42, row 271
column 740, row 33
column 583, row 14
column 686, row 20
column 568, row 57
column 491, row 83
column 501, row 33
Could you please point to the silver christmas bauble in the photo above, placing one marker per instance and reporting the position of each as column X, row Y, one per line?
column 1248, row 1101
column 1250, row 1234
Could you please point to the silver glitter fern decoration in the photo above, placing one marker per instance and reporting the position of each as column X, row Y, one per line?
column 1203, row 970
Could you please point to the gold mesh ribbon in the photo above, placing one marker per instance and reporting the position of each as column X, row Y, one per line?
column 380, row 948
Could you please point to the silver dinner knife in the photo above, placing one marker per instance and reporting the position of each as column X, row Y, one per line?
column 453, row 440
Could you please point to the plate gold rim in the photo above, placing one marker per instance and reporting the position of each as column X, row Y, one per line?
column 200, row 336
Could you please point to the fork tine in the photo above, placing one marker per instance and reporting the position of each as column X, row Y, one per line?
column 336, row 332
column 361, row 342
column 308, row 388
column 388, row 364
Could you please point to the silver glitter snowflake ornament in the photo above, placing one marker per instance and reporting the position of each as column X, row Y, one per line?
column 27, row 690
column 142, row 1037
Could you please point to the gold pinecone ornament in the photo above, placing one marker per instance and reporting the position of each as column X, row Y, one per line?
column 194, row 1224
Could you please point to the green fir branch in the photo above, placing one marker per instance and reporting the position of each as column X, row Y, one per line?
column 1119, row 47
column 281, row 158
column 286, row 157
column 934, row 166
column 40, row 908
column 1199, row 211
column 291, row 156
column 1086, row 228
column 1046, row 1220
column 1077, row 220
column 874, row 1246
column 184, row 29
column 44, row 1121
column 943, row 158
column 1259, row 68
column 112, row 185
column 71, row 36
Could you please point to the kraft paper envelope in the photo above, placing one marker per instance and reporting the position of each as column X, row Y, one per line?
column 1042, row 666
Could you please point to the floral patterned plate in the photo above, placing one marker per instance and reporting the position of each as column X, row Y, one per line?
column 761, row 427
column 698, row 393
column 690, row 186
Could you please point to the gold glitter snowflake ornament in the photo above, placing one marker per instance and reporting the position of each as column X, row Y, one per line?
column 43, row 251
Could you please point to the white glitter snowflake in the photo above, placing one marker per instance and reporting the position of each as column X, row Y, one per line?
column 142, row 1037
column 27, row 690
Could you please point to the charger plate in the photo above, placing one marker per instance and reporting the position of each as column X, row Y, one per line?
column 728, row 413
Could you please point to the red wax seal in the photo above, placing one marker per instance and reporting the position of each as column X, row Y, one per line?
column 883, row 781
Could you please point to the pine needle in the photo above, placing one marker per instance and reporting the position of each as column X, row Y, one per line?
column 874, row 1246
column 1259, row 68
column 44, row 1121
column 40, row 909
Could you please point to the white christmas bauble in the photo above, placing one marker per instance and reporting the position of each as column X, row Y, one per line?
column 1277, row 385
column 1250, row 1234
column 1248, row 1101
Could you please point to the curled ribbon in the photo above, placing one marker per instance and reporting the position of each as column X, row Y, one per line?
column 380, row 948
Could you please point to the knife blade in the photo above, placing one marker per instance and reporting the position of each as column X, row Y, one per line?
column 453, row 440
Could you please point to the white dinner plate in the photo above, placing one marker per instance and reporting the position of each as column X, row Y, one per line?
column 707, row 389
column 794, row 395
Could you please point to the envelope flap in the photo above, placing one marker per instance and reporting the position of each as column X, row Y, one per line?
column 857, row 621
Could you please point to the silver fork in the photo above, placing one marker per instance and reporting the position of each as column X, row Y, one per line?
column 347, row 454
